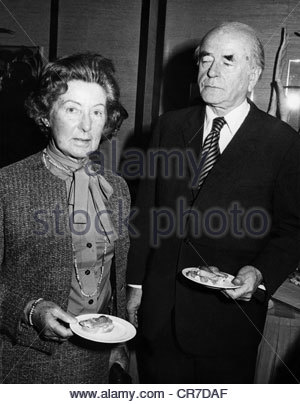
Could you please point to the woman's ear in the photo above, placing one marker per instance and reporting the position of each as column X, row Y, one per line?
column 46, row 122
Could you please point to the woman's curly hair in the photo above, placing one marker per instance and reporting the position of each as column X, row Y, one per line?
column 88, row 67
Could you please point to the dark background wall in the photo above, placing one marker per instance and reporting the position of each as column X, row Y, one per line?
column 27, row 23
column 151, row 43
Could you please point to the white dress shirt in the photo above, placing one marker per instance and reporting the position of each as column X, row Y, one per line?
column 234, row 120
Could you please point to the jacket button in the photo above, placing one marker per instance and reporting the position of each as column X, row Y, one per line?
column 87, row 272
column 91, row 301
column 89, row 245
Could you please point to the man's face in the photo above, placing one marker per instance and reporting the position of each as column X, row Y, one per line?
column 225, row 72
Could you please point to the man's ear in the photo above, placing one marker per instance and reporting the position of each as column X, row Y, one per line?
column 254, row 77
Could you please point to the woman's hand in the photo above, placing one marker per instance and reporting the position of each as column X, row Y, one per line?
column 51, row 321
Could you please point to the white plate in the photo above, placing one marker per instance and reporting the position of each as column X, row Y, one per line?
column 218, row 283
column 122, row 331
column 221, row 283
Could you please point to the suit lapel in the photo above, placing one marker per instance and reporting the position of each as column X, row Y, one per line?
column 192, row 132
column 241, row 146
column 192, row 129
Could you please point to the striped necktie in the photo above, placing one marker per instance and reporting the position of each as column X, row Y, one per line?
column 211, row 150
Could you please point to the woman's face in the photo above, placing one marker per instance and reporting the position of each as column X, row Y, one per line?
column 77, row 118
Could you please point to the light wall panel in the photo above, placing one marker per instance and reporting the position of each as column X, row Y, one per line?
column 188, row 21
column 111, row 28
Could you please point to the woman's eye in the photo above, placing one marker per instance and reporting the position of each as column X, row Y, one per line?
column 72, row 110
column 98, row 113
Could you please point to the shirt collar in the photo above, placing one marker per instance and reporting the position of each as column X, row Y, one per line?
column 234, row 118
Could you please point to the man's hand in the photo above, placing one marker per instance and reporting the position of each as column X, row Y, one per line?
column 119, row 354
column 248, row 278
column 134, row 297
column 118, row 365
column 51, row 321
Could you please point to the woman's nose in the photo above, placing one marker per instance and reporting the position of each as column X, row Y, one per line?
column 86, row 122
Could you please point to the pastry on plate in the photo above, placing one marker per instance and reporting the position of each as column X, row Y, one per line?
column 97, row 324
column 204, row 275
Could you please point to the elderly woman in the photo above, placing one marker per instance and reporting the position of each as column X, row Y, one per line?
column 63, row 243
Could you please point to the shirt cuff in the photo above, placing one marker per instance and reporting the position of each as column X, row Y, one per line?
column 135, row 286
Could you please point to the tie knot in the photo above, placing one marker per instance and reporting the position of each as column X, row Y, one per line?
column 218, row 124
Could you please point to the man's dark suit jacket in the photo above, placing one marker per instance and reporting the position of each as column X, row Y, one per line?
column 260, row 171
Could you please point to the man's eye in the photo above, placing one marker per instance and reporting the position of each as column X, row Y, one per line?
column 206, row 60
column 228, row 61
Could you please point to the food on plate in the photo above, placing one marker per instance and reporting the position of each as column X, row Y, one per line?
column 202, row 274
column 295, row 277
column 97, row 324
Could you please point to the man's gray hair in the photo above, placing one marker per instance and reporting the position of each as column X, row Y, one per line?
column 257, row 49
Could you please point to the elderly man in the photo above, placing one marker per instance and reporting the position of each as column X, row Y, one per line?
column 241, row 215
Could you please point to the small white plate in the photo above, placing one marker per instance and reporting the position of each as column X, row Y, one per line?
column 217, row 283
column 123, row 331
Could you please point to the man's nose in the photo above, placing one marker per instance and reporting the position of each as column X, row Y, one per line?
column 214, row 69
column 86, row 122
